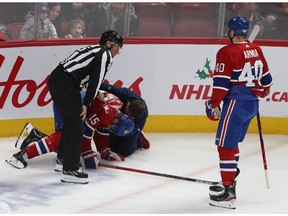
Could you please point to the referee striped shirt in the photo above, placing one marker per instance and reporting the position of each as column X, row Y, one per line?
column 88, row 66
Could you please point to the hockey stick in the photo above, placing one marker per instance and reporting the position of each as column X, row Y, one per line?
column 255, row 31
column 263, row 151
column 251, row 38
column 159, row 174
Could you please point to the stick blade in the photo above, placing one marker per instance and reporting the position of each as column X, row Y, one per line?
column 267, row 179
column 24, row 133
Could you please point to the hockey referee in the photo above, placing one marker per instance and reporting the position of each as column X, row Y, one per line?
column 84, row 67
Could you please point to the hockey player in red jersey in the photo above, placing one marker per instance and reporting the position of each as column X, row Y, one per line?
column 100, row 115
column 135, row 107
column 241, row 76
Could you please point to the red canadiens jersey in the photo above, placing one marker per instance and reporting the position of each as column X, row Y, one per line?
column 241, row 70
column 101, row 115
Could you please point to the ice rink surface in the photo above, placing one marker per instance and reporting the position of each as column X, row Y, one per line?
column 37, row 189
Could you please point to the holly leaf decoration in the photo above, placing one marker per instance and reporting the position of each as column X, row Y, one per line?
column 202, row 74
column 207, row 64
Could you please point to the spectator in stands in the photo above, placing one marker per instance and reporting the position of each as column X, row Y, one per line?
column 54, row 15
column 76, row 10
column 45, row 28
column 271, row 30
column 249, row 11
column 5, row 33
column 113, row 16
column 283, row 20
column 76, row 28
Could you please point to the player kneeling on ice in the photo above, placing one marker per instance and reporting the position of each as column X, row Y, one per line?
column 100, row 115
column 241, row 75
column 135, row 107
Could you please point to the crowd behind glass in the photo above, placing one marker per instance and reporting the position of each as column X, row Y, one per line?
column 26, row 21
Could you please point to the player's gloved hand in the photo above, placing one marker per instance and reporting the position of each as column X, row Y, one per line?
column 263, row 92
column 91, row 159
column 212, row 113
column 109, row 155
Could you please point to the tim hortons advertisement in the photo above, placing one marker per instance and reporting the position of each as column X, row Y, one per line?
column 173, row 79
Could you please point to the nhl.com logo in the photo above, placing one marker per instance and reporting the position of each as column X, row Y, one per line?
column 199, row 92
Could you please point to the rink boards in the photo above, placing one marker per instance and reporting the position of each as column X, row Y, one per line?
column 173, row 76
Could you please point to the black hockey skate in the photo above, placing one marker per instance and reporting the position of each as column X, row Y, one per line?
column 76, row 177
column 59, row 165
column 226, row 199
column 215, row 190
column 34, row 136
column 17, row 160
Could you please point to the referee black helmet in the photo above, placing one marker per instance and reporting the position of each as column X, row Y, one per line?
column 112, row 36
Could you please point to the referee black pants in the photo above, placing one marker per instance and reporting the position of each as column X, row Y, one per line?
column 66, row 96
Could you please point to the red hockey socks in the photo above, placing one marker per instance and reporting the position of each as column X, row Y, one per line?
column 44, row 145
column 228, row 164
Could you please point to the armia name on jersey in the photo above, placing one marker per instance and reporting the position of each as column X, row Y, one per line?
column 250, row 53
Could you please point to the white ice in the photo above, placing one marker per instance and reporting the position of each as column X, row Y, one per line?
column 37, row 188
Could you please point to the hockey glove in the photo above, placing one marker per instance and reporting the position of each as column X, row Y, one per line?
column 263, row 92
column 109, row 155
column 91, row 159
column 212, row 113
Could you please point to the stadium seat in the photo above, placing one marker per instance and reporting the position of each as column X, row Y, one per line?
column 154, row 28
column 194, row 28
column 15, row 29
column 186, row 11
column 64, row 28
column 152, row 10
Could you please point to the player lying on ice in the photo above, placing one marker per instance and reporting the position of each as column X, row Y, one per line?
column 100, row 115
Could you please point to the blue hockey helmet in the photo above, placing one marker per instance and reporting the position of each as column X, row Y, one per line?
column 124, row 127
column 239, row 24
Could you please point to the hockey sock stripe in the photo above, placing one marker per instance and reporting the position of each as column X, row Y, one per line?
column 228, row 165
column 88, row 131
column 42, row 146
